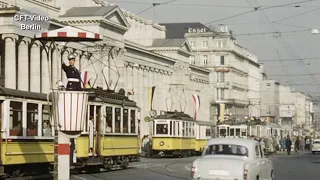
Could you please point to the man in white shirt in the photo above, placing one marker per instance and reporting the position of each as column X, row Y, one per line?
column 91, row 135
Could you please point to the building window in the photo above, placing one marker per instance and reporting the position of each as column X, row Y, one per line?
column 204, row 44
column 109, row 115
column 46, row 127
column 192, row 60
column 118, row 120
column 221, row 60
column 125, row 120
column 193, row 44
column 220, row 44
column 222, row 76
column 222, row 94
column 133, row 121
column 205, row 59
column 15, row 118
column 218, row 95
column 32, row 119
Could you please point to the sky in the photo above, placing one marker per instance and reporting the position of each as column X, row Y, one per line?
column 279, row 36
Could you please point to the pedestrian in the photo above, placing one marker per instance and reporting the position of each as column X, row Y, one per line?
column 288, row 145
column 297, row 145
column 73, row 74
column 91, row 135
column 308, row 142
column 283, row 144
column 302, row 144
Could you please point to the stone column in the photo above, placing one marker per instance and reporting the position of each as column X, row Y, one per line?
column 45, row 79
column 129, row 79
column 35, row 66
column 135, row 84
column 10, row 60
column 23, row 64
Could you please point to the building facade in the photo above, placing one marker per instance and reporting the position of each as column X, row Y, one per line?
column 287, row 106
column 235, row 71
column 141, row 58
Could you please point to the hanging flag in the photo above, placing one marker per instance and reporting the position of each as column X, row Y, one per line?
column 196, row 100
column 151, row 94
column 84, row 78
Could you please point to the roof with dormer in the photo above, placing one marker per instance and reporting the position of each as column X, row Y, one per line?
column 168, row 42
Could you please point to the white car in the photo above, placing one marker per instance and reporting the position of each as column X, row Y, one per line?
column 315, row 146
column 232, row 159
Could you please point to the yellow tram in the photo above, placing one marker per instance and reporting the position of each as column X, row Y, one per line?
column 178, row 134
column 27, row 134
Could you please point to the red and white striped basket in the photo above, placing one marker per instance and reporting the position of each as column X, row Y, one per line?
column 71, row 109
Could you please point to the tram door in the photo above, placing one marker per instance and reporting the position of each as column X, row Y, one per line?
column 94, row 129
column 98, row 123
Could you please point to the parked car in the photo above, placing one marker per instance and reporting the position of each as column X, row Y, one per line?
column 315, row 146
column 232, row 158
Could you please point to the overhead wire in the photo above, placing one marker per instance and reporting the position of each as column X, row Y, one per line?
column 154, row 5
column 258, row 8
column 284, row 43
column 295, row 15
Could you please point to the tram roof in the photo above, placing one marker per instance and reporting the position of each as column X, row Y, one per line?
column 22, row 94
column 175, row 115
column 96, row 95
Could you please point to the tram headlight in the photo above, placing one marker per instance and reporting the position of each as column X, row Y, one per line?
column 161, row 143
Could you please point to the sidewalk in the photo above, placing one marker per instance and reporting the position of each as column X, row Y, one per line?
column 293, row 153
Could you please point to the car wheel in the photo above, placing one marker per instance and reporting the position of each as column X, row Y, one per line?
column 272, row 175
column 257, row 178
column 313, row 152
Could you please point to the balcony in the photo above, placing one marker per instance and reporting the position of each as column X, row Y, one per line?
column 222, row 69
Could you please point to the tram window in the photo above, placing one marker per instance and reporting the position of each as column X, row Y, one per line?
column 192, row 129
column 243, row 132
column 162, row 129
column 125, row 121
column 231, row 132
column 208, row 132
column 133, row 121
column 237, row 132
column 108, row 119
column 173, row 128
column 46, row 127
column 15, row 118
column 171, row 131
column 118, row 120
column 178, row 128
column 222, row 132
column 32, row 119
column 183, row 128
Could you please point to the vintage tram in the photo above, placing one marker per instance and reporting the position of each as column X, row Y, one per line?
column 178, row 134
column 27, row 133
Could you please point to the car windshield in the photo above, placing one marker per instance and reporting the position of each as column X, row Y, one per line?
column 226, row 149
column 316, row 142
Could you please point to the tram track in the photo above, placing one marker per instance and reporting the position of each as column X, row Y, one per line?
column 168, row 169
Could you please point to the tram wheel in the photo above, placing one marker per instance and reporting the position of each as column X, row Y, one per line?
column 125, row 163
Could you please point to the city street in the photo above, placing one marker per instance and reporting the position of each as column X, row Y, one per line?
column 293, row 167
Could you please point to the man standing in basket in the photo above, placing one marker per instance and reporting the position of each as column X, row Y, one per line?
column 73, row 74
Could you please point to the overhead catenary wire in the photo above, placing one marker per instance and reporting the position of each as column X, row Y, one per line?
column 258, row 8
column 156, row 4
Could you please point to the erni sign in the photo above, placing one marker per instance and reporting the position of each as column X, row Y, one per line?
column 197, row 30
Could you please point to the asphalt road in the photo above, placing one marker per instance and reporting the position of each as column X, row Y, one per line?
column 303, row 166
